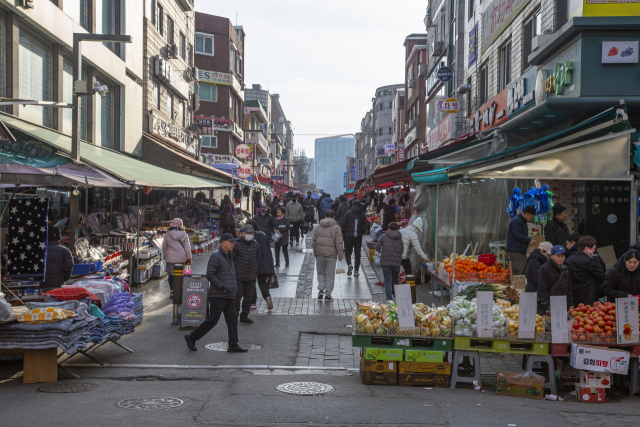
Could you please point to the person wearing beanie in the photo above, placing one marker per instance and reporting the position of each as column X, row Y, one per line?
column 536, row 260
column 518, row 240
column 176, row 249
column 587, row 271
column 59, row 262
column 556, row 231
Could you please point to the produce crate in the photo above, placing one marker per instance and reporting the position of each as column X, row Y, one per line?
column 372, row 341
column 379, row 378
column 501, row 346
column 425, row 332
column 564, row 350
column 433, row 344
column 530, row 336
column 386, row 354
column 392, row 331
column 428, row 380
column 378, row 366
column 424, row 368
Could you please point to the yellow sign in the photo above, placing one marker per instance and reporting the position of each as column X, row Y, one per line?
column 603, row 8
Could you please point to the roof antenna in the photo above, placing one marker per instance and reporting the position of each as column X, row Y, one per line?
column 236, row 19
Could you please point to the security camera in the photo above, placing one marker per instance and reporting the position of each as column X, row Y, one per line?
column 100, row 89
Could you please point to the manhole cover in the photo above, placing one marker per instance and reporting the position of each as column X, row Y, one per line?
column 68, row 387
column 153, row 402
column 305, row 389
column 224, row 346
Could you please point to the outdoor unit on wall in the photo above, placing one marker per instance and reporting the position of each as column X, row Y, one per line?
column 26, row 4
column 172, row 51
column 195, row 102
column 438, row 48
column 423, row 70
column 411, row 83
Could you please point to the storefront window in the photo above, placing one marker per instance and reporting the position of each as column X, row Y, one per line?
column 209, row 141
column 35, row 78
column 106, row 20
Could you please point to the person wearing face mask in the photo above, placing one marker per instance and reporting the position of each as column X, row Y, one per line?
column 265, row 266
column 282, row 225
column 265, row 221
column 537, row 259
column 623, row 280
column 554, row 280
column 245, row 260
column 308, row 204
column 587, row 273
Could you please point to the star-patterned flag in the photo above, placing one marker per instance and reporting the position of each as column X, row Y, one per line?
column 28, row 227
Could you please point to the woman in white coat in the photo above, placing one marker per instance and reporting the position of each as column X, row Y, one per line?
column 410, row 240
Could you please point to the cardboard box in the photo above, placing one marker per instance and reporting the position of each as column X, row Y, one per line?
column 569, row 375
column 599, row 359
column 378, row 366
column 424, row 368
column 595, row 379
column 378, row 378
column 424, row 380
column 525, row 384
column 590, row 394
column 383, row 354
column 423, row 356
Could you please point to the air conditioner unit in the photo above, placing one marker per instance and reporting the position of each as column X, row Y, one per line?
column 406, row 127
column 423, row 70
column 438, row 48
column 412, row 123
column 194, row 73
column 195, row 102
column 172, row 50
column 411, row 83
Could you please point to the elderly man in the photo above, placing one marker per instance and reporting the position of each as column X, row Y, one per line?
column 245, row 260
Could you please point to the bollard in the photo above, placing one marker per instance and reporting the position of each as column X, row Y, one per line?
column 371, row 253
column 411, row 280
column 178, row 270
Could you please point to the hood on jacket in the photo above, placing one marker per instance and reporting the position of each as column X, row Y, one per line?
column 174, row 234
column 328, row 199
column 417, row 223
column 357, row 210
column 328, row 222
column 393, row 234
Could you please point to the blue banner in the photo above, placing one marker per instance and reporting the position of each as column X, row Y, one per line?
column 345, row 180
column 473, row 45
column 353, row 173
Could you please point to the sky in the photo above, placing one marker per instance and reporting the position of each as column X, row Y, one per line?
column 325, row 59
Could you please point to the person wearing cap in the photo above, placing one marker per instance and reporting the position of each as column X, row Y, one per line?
column 572, row 244
column 308, row 204
column 265, row 266
column 176, row 249
column 518, row 240
column 410, row 241
column 265, row 221
column 537, row 259
column 245, row 260
column 222, row 292
column 59, row 262
column 587, row 272
column 553, row 279
column 556, row 231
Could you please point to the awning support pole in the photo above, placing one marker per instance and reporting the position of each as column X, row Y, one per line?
column 455, row 237
column 634, row 212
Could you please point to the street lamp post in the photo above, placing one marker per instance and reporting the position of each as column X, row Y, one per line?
column 80, row 89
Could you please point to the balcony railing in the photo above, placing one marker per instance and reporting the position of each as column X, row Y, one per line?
column 256, row 137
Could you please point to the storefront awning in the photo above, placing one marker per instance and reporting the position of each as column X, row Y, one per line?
column 131, row 171
column 605, row 158
column 65, row 175
column 390, row 173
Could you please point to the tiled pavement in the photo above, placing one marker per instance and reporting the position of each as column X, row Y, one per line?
column 327, row 351
column 306, row 306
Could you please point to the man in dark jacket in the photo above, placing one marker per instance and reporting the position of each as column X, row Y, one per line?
column 537, row 259
column 265, row 266
column 275, row 205
column 59, row 262
column 556, row 231
column 518, row 240
column 388, row 214
column 572, row 245
column 343, row 208
column 554, row 280
column 245, row 260
column 222, row 291
column 325, row 206
column 587, row 274
column 319, row 201
column 265, row 221
column 353, row 225
column 308, row 204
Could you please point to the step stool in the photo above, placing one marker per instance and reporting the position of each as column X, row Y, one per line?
column 631, row 380
column 467, row 372
column 550, row 370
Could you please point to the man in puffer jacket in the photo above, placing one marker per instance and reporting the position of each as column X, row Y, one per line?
column 59, row 262
column 554, row 280
column 391, row 249
column 266, row 222
column 537, row 259
column 343, row 208
column 295, row 213
column 587, row 273
column 410, row 240
column 325, row 206
column 327, row 245
column 245, row 260
column 353, row 225
column 308, row 204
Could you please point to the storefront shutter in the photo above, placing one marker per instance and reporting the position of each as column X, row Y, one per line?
column 35, row 78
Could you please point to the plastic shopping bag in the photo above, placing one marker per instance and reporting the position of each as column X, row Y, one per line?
column 341, row 267
column 187, row 272
column 276, row 236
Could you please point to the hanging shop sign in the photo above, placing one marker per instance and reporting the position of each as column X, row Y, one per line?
column 561, row 75
column 389, row 149
column 451, row 105
column 400, row 151
column 440, row 103
column 244, row 171
column 603, row 8
column 225, row 79
column 237, row 130
column 380, row 152
column 243, row 151
column 497, row 18
column 432, row 81
column 440, row 134
column 521, row 94
column 172, row 78
column 264, row 161
column 491, row 114
column 623, row 52
column 411, row 136
column 444, row 74
column 278, row 178
column 352, row 176
column 171, row 134
column 213, row 159
column 204, row 126
column 344, row 183
column 360, row 168
column 473, row 45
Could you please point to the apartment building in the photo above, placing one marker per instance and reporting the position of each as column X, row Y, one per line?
column 415, row 118
column 383, row 123
column 397, row 125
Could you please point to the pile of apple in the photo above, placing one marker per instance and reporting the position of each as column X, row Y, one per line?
column 594, row 323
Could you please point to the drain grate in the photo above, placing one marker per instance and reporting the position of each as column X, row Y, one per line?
column 68, row 387
column 224, row 346
column 304, row 388
column 153, row 402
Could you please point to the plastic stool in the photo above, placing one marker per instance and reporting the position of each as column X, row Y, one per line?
column 550, row 372
column 467, row 372
column 632, row 381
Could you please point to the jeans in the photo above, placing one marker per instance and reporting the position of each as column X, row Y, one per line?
column 326, row 273
column 406, row 264
column 217, row 306
column 285, row 251
column 263, row 284
column 295, row 231
column 246, row 289
column 391, row 275
column 353, row 244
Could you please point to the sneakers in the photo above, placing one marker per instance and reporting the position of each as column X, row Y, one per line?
column 277, row 265
column 269, row 304
column 350, row 271
column 356, row 273
column 286, row 265
column 254, row 306
column 236, row 349
column 297, row 243
column 245, row 319
column 320, row 294
column 171, row 294
column 191, row 343
column 328, row 298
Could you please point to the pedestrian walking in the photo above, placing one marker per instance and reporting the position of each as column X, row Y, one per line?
column 275, row 205
column 295, row 214
column 245, row 260
column 587, row 273
column 410, row 241
column 319, row 203
column 518, row 240
column 537, row 259
column 308, row 204
column 388, row 214
column 222, row 292
column 228, row 222
column 554, row 280
column 265, row 266
column 325, row 205
column 327, row 245
column 257, row 201
column 343, row 207
column 353, row 225
column 282, row 226
column 336, row 203
column 556, row 231
column 623, row 280
column 391, row 248
column 176, row 249
column 59, row 262
column 266, row 222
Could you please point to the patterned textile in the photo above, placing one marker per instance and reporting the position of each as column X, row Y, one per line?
column 67, row 305
column 72, row 293
column 69, row 335
column 45, row 315
column 27, row 237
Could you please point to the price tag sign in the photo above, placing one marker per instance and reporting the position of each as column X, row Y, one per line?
column 559, row 326
column 627, row 320
column 527, row 317
column 484, row 320
column 405, row 306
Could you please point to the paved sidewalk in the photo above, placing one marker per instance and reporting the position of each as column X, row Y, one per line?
column 327, row 351
column 306, row 306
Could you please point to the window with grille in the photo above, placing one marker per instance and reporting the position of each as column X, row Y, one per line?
column 204, row 45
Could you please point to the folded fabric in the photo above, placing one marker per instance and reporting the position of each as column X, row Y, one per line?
column 72, row 293
column 67, row 305
column 45, row 315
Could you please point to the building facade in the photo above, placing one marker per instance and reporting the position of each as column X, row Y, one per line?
column 330, row 155
column 415, row 118
column 283, row 130
column 397, row 125
column 383, row 123
column 367, row 143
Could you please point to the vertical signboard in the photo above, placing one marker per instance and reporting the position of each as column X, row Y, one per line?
column 527, row 317
column 627, row 320
column 485, row 314
column 559, row 328
column 473, row 45
column 405, row 306
column 353, row 174
column 194, row 301
column 344, row 184
column 400, row 151
column 360, row 165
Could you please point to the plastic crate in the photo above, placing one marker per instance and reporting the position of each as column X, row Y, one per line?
column 424, row 343
column 487, row 259
column 501, row 346
column 81, row 269
column 96, row 266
